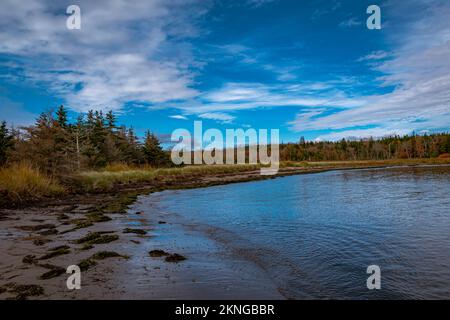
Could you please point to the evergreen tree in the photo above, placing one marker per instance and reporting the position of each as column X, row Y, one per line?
column 61, row 116
column 152, row 150
column 6, row 142
column 110, row 120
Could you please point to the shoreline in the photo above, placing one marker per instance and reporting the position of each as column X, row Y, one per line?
column 189, row 181
column 39, row 230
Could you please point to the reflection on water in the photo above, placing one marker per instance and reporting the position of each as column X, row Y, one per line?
column 316, row 234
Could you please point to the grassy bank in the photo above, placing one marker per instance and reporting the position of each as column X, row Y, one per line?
column 22, row 183
column 110, row 177
column 107, row 179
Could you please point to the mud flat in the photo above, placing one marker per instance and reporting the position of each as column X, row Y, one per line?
column 113, row 251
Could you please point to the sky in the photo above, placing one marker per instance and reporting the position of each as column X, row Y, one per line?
column 307, row 68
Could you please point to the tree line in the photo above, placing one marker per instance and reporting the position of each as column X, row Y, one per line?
column 392, row 147
column 94, row 140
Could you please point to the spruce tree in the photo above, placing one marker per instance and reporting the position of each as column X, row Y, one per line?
column 110, row 120
column 152, row 150
column 61, row 116
column 6, row 142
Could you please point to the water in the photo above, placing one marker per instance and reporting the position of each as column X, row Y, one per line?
column 315, row 235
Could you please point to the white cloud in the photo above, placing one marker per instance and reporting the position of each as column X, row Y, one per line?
column 218, row 116
column 125, row 51
column 179, row 117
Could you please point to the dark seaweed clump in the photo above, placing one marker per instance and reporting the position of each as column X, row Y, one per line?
column 55, row 252
column 106, row 254
column 175, row 258
column 37, row 227
column 54, row 272
column 158, row 253
column 136, row 231
column 97, row 238
column 85, row 264
column 22, row 291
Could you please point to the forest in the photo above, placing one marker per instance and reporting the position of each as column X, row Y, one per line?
column 57, row 147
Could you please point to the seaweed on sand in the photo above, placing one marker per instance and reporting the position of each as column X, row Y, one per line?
column 56, row 252
column 97, row 238
column 136, row 231
column 175, row 258
column 107, row 254
column 158, row 253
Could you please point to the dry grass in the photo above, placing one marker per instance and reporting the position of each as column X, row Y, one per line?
column 112, row 175
column 21, row 182
column 118, row 167
column 120, row 174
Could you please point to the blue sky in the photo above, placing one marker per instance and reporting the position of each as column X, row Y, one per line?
column 308, row 68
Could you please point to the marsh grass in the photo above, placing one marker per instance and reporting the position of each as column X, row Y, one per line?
column 22, row 182
column 106, row 179
column 120, row 174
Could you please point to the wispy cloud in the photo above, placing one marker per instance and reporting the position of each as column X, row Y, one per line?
column 218, row 116
column 376, row 55
column 257, row 3
column 179, row 117
column 125, row 52
column 351, row 22
column 417, row 69
column 244, row 96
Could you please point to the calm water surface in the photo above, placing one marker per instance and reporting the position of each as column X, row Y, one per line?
column 315, row 235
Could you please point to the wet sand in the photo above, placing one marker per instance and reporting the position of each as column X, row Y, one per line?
column 209, row 272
